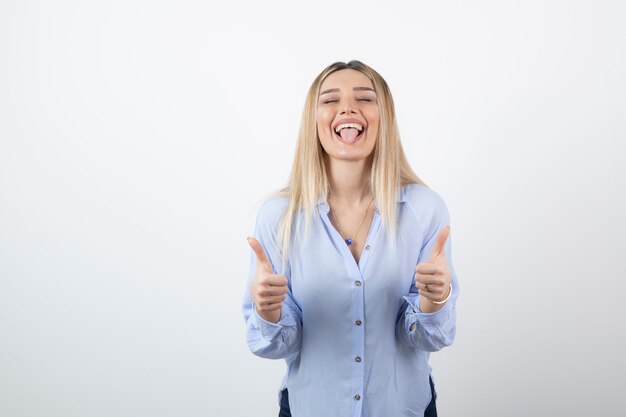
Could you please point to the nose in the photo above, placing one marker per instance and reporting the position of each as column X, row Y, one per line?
column 348, row 110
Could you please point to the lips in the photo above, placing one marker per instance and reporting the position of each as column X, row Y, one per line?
column 348, row 131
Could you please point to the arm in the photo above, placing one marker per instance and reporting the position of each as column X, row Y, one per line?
column 420, row 323
column 273, row 319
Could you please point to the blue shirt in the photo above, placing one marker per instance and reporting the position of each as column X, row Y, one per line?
column 345, row 328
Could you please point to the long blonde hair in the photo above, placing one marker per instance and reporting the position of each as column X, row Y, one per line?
column 308, row 181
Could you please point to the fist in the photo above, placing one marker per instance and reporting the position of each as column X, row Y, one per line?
column 268, row 290
column 433, row 278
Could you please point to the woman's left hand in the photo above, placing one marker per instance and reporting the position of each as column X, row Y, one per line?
column 433, row 278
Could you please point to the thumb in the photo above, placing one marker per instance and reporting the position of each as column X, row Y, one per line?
column 439, row 245
column 261, row 258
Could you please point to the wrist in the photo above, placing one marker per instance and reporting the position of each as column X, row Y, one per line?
column 270, row 316
column 445, row 298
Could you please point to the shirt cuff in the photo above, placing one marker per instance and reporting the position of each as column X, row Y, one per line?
column 268, row 329
column 427, row 320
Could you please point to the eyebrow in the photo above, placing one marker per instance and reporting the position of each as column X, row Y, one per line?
column 336, row 90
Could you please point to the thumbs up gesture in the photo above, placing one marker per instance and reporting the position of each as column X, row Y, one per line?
column 267, row 289
column 433, row 278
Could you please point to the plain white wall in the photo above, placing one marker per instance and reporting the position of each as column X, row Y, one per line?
column 137, row 139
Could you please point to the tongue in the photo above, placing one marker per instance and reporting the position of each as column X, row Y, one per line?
column 349, row 134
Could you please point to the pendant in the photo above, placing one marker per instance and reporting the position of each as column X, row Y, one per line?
column 348, row 241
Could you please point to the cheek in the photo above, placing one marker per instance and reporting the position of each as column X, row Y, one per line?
column 374, row 115
column 374, row 121
column 323, row 123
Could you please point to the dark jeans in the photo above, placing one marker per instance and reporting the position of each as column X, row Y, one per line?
column 431, row 410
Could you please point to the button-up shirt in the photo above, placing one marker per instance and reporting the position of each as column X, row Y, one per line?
column 353, row 337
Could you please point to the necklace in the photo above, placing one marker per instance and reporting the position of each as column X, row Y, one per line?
column 349, row 239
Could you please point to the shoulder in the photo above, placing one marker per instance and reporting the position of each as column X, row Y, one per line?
column 422, row 199
column 272, row 210
column 427, row 207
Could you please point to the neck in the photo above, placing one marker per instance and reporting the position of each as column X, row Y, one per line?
column 349, row 181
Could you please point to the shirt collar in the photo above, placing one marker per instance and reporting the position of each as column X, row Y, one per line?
column 323, row 204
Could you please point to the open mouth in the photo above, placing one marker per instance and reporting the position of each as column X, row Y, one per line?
column 349, row 132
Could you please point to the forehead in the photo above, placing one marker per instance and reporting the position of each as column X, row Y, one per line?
column 346, row 79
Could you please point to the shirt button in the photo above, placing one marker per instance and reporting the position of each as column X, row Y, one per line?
column 358, row 322
column 357, row 397
column 357, row 359
column 357, row 283
column 367, row 247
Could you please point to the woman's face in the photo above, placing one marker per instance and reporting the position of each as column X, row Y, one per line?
column 347, row 115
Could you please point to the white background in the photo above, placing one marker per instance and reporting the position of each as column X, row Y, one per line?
column 137, row 139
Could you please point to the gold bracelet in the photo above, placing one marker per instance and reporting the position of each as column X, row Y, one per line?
column 447, row 298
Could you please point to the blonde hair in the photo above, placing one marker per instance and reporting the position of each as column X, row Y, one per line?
column 308, row 181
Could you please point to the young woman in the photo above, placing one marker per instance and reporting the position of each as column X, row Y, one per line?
column 351, row 280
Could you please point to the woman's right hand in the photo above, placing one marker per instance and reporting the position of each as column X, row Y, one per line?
column 267, row 289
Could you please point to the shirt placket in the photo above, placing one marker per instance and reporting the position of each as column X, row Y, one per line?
column 355, row 272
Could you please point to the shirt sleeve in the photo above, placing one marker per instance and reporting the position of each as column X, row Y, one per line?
column 430, row 331
column 266, row 339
